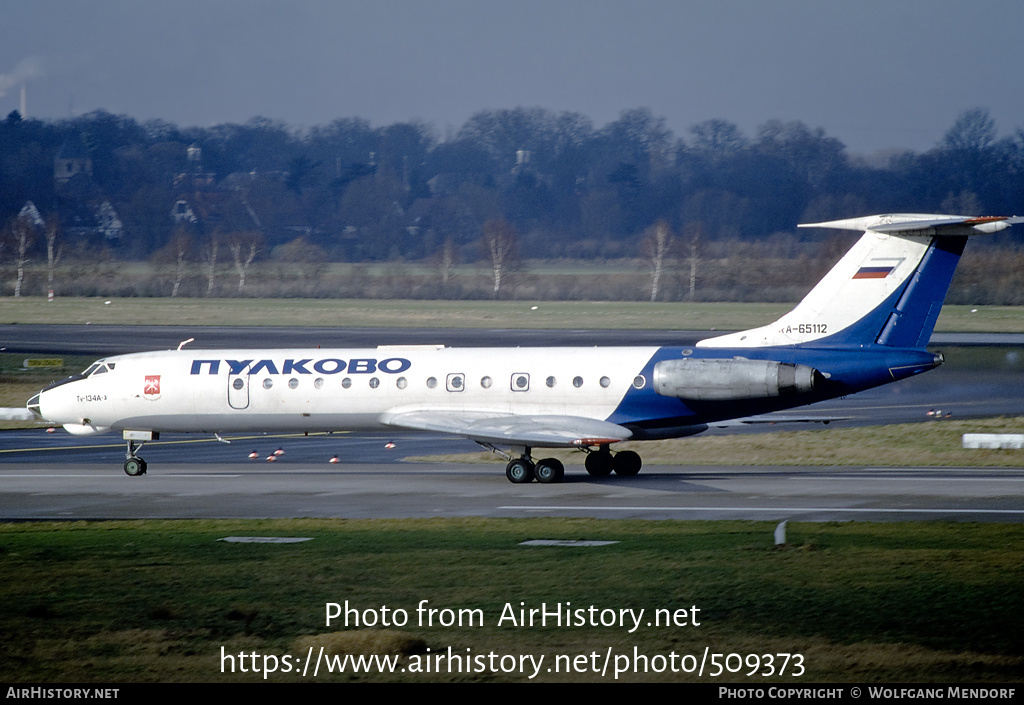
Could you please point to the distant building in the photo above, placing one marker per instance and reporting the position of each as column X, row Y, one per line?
column 182, row 212
column 107, row 221
column 92, row 219
column 72, row 160
column 195, row 177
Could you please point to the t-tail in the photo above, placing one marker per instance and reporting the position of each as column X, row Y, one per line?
column 887, row 290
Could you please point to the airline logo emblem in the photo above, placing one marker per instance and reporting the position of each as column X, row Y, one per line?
column 152, row 385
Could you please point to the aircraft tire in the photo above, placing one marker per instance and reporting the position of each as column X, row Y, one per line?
column 627, row 463
column 549, row 470
column 599, row 464
column 519, row 471
column 134, row 467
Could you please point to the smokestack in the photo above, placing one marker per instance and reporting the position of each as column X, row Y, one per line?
column 24, row 103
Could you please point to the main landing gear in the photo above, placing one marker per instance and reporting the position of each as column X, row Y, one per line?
column 599, row 463
column 522, row 470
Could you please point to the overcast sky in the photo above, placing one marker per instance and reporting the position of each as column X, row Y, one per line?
column 874, row 73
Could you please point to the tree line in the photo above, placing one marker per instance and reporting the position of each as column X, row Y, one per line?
column 507, row 184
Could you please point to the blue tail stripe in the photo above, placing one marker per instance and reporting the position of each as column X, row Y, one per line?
column 912, row 321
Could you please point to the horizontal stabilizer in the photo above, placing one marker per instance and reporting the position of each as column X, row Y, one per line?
column 922, row 224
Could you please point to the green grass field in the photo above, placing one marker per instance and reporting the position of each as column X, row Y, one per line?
column 157, row 600
column 629, row 315
column 935, row 443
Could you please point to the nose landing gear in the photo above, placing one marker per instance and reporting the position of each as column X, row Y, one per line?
column 134, row 466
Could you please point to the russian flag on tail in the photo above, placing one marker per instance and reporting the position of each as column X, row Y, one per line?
column 874, row 272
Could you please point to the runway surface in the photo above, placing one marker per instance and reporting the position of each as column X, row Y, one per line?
column 54, row 476
column 57, row 476
column 381, row 490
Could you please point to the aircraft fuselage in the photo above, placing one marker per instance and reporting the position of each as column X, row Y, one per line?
column 362, row 389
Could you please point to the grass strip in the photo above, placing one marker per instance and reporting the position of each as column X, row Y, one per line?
column 930, row 443
column 404, row 313
column 157, row 600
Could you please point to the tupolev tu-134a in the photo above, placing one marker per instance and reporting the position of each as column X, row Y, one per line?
column 865, row 324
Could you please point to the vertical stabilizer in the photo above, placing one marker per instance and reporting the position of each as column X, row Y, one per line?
column 887, row 290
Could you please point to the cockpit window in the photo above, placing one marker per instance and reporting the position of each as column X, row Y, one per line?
column 98, row 368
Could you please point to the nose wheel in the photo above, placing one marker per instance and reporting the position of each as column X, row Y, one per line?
column 133, row 467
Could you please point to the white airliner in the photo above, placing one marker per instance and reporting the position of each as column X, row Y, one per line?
column 865, row 324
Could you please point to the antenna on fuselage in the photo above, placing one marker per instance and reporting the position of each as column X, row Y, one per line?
column 184, row 343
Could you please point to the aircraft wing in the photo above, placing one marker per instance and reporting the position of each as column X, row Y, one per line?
column 526, row 430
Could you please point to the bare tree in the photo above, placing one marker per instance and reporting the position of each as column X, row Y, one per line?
column 500, row 244
column 299, row 259
column 243, row 246
column 210, row 249
column 965, row 202
column 973, row 131
column 446, row 259
column 693, row 233
column 182, row 246
column 53, row 253
column 718, row 137
column 655, row 249
column 23, row 235
column 178, row 253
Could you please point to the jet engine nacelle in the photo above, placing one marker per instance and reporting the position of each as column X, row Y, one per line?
column 737, row 378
